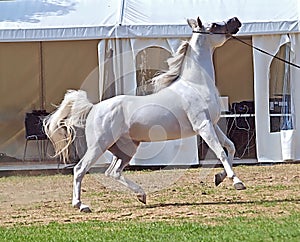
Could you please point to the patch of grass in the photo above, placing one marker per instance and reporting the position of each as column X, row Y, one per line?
column 235, row 229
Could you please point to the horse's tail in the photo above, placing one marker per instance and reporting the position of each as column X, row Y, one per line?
column 60, row 125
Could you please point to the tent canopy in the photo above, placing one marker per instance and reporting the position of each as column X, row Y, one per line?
column 36, row 20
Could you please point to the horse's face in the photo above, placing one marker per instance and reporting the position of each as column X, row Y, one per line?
column 230, row 27
column 216, row 33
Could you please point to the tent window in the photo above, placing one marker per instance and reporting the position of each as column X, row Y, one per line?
column 149, row 62
column 280, row 102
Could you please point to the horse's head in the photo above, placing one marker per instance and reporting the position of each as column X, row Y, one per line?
column 217, row 33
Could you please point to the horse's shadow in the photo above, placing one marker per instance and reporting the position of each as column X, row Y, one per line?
column 257, row 202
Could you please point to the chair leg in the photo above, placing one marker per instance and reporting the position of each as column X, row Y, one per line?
column 25, row 150
column 46, row 148
column 39, row 150
column 38, row 147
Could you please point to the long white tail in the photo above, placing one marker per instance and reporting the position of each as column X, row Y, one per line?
column 60, row 126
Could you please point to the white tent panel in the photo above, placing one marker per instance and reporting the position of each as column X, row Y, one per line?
column 270, row 145
column 123, row 72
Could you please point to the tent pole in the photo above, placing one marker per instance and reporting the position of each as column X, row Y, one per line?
column 42, row 89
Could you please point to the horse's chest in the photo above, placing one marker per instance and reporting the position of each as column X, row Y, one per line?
column 200, row 101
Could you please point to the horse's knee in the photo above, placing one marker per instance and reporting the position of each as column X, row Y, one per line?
column 78, row 173
column 76, row 169
column 115, row 168
column 222, row 156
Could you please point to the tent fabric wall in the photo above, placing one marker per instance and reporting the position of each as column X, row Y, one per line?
column 19, row 92
column 123, row 69
column 68, row 65
column 20, row 84
column 295, row 77
column 234, row 71
column 124, row 61
column 269, row 145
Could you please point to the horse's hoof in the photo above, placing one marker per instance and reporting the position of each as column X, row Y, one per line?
column 218, row 179
column 85, row 209
column 239, row 186
column 142, row 198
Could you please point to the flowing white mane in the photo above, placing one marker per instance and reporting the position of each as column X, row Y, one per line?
column 165, row 79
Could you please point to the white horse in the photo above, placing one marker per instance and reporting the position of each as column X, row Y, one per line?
column 186, row 103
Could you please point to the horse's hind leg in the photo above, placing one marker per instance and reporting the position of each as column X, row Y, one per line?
column 123, row 150
column 227, row 143
column 208, row 133
column 115, row 171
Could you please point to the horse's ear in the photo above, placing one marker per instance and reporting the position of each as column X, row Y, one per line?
column 199, row 23
column 192, row 23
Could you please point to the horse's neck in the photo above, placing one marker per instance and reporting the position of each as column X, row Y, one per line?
column 198, row 62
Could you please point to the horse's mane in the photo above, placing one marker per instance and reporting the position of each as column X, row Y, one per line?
column 175, row 62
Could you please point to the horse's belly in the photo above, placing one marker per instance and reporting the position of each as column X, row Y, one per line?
column 155, row 122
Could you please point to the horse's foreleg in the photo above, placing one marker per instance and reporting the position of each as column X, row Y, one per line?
column 228, row 144
column 80, row 170
column 208, row 133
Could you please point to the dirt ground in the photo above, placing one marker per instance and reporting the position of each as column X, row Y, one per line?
column 181, row 194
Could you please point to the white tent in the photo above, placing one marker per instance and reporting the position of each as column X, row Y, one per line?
column 123, row 31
